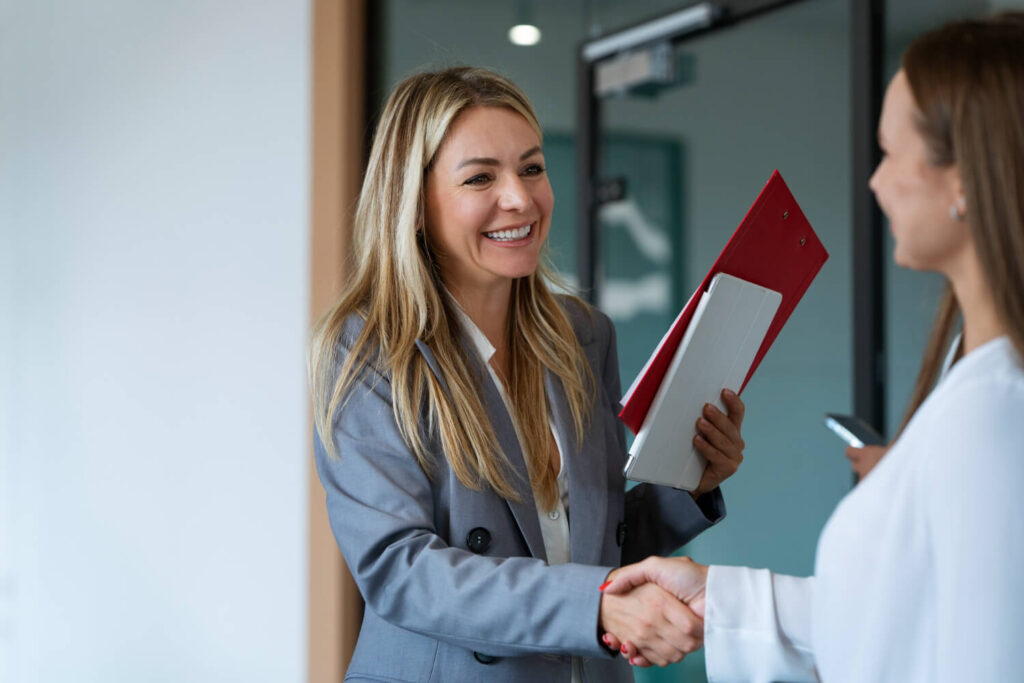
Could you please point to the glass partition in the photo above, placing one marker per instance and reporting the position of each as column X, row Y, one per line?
column 770, row 93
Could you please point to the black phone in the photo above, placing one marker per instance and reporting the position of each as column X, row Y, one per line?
column 854, row 430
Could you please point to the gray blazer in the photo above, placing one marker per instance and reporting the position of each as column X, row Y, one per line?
column 455, row 581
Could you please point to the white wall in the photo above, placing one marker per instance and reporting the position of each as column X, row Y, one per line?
column 154, row 192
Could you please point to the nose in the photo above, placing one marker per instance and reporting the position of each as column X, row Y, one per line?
column 513, row 195
column 873, row 180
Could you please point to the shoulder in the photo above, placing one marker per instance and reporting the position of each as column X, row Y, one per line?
column 590, row 324
column 988, row 389
column 352, row 325
column 351, row 337
column 978, row 411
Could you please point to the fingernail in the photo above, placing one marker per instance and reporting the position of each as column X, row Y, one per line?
column 729, row 392
column 604, row 585
column 623, row 648
column 605, row 638
column 632, row 661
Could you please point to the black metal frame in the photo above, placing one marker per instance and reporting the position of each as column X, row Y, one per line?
column 869, row 371
column 869, row 368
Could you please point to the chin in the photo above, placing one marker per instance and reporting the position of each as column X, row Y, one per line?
column 519, row 270
column 899, row 258
column 903, row 260
column 519, row 275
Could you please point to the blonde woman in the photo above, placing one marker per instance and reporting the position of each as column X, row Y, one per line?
column 466, row 417
column 920, row 571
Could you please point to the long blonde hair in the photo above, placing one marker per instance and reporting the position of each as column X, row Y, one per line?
column 967, row 79
column 396, row 289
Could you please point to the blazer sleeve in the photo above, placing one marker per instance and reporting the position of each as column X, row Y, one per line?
column 380, row 504
column 659, row 519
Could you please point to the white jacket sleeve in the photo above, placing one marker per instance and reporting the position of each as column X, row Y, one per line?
column 976, row 473
column 757, row 626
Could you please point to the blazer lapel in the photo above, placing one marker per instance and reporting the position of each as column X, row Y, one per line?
column 525, row 509
column 588, row 506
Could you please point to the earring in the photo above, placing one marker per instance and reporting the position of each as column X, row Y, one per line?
column 957, row 210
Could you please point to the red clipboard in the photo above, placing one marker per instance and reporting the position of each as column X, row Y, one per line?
column 775, row 247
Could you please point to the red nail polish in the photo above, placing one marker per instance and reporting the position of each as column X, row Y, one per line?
column 604, row 585
column 623, row 648
column 605, row 638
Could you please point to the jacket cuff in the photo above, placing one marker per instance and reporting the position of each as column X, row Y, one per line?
column 712, row 505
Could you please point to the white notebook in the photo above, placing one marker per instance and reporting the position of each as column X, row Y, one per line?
column 716, row 352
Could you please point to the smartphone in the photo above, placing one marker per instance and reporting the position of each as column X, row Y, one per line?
column 854, row 430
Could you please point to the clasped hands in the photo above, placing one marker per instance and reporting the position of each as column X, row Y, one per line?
column 653, row 611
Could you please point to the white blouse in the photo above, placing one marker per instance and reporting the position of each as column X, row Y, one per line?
column 920, row 570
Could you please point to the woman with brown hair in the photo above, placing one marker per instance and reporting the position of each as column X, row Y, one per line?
column 920, row 571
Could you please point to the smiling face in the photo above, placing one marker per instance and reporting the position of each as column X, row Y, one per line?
column 488, row 200
column 915, row 194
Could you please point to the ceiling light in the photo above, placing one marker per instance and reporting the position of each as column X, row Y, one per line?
column 524, row 34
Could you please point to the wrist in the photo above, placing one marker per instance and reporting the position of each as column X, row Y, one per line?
column 604, row 619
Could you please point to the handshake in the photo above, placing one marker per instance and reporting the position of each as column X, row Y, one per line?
column 653, row 611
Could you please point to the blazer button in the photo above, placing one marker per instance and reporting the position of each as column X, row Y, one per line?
column 478, row 540
column 620, row 534
column 484, row 659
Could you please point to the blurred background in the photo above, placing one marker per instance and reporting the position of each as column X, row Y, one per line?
column 175, row 183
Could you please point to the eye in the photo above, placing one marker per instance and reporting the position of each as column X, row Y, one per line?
column 533, row 170
column 478, row 179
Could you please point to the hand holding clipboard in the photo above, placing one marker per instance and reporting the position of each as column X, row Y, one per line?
column 774, row 249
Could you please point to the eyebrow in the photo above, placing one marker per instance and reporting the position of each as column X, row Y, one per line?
column 489, row 161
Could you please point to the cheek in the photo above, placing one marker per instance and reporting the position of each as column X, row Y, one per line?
column 455, row 216
column 898, row 189
column 544, row 198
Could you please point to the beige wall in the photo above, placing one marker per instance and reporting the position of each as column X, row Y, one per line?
column 339, row 40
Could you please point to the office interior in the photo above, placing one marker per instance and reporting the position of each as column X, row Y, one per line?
column 175, row 186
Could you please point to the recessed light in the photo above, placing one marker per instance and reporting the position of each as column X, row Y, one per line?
column 524, row 34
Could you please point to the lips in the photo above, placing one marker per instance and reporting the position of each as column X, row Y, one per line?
column 510, row 234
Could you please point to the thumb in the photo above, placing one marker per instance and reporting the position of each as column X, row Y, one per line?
column 625, row 579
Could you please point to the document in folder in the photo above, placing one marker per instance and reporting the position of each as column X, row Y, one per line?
column 773, row 247
column 726, row 331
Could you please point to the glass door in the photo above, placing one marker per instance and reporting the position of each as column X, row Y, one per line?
column 685, row 158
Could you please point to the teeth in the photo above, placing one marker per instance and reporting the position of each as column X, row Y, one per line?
column 509, row 235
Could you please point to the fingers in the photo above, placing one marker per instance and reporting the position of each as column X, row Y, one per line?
column 630, row 652
column 718, row 450
column 721, row 431
column 863, row 460
column 680, row 576
column 660, row 628
column 734, row 404
column 689, row 628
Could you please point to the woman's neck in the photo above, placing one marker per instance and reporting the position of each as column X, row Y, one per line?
column 981, row 321
column 489, row 310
